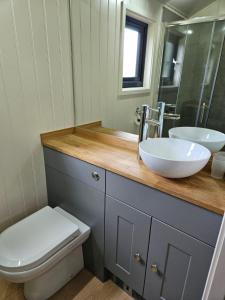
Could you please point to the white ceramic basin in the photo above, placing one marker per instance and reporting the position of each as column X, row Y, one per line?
column 173, row 158
column 211, row 139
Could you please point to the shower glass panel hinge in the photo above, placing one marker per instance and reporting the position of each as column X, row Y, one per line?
column 204, row 107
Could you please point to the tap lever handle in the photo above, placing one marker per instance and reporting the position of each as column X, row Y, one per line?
column 169, row 116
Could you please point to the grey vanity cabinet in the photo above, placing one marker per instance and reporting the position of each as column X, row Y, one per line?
column 159, row 245
column 126, row 243
column 177, row 265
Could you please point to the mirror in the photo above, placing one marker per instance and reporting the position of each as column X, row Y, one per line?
column 192, row 76
column 178, row 59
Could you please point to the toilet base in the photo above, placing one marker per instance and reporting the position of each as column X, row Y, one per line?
column 49, row 283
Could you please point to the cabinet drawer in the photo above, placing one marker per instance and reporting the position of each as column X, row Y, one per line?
column 78, row 169
column 196, row 221
column 126, row 243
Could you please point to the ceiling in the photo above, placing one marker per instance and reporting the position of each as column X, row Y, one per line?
column 188, row 7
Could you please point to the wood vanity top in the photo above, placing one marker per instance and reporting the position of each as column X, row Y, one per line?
column 116, row 151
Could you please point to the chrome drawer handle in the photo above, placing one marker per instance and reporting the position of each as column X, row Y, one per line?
column 154, row 268
column 95, row 176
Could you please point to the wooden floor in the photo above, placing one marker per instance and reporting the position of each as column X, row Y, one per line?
column 83, row 287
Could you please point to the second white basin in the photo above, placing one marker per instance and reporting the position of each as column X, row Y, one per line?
column 173, row 158
column 211, row 139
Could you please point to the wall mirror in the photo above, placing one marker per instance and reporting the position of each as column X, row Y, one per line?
column 129, row 53
column 192, row 75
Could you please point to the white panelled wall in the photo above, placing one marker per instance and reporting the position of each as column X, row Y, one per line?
column 96, row 43
column 35, row 97
column 36, row 85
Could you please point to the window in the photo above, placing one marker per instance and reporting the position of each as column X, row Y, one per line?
column 135, row 37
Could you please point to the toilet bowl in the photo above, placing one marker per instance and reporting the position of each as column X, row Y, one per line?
column 43, row 251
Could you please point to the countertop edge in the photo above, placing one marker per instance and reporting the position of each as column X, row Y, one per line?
column 211, row 208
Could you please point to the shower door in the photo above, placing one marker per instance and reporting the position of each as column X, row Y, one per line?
column 211, row 112
column 215, row 116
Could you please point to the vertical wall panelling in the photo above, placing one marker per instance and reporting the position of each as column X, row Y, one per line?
column 64, row 42
column 109, row 113
column 85, row 20
column 77, row 61
column 7, row 175
column 96, row 27
column 95, row 56
column 103, row 56
column 35, row 97
column 116, row 116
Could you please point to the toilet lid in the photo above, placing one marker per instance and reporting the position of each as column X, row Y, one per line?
column 34, row 239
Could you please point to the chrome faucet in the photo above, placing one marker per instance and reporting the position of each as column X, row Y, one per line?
column 151, row 118
column 147, row 120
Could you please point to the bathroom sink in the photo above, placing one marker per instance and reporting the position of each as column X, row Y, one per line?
column 211, row 139
column 173, row 158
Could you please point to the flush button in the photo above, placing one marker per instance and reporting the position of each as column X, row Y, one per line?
column 95, row 176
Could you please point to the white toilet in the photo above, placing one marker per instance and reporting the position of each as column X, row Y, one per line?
column 43, row 251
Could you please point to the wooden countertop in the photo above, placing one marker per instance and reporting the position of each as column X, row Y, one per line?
column 116, row 151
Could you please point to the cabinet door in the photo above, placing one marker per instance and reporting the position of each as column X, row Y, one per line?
column 126, row 243
column 177, row 265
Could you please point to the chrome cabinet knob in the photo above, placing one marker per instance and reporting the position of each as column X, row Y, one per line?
column 95, row 176
column 138, row 258
column 155, row 269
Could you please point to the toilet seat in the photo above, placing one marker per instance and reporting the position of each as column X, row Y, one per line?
column 43, row 248
column 40, row 240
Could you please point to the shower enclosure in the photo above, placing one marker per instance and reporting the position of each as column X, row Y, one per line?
column 193, row 73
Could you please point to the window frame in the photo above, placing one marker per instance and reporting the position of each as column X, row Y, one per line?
column 142, row 28
column 151, row 54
